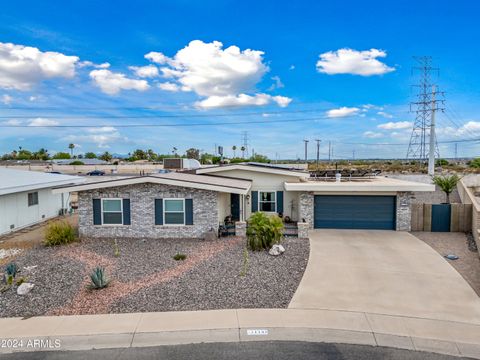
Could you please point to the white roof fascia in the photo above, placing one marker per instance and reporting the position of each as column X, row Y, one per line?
column 154, row 180
column 253, row 168
column 353, row 186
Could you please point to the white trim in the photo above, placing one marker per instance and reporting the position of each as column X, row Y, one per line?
column 153, row 180
column 268, row 170
column 275, row 201
column 370, row 185
column 101, row 208
column 176, row 212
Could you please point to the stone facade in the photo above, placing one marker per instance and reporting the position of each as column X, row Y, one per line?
column 404, row 211
column 303, row 230
column 142, row 211
column 306, row 208
column 241, row 229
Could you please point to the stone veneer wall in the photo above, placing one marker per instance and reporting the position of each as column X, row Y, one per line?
column 306, row 208
column 142, row 208
column 404, row 211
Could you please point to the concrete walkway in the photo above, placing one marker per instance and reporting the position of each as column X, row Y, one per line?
column 383, row 272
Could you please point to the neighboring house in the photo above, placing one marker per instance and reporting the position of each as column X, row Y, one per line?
column 26, row 197
column 190, row 205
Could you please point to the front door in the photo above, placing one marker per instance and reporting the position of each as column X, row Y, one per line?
column 235, row 206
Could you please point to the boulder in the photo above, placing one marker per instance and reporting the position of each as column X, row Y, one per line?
column 276, row 250
column 211, row 235
column 24, row 288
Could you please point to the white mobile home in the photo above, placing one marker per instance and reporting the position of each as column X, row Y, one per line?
column 26, row 197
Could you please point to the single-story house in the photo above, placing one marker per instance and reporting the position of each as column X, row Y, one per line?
column 191, row 204
column 26, row 197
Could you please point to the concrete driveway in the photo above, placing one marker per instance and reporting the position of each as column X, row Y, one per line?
column 383, row 272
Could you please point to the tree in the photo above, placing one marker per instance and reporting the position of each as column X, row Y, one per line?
column 234, row 148
column 447, row 183
column 41, row 154
column 193, row 153
column 243, row 151
column 62, row 155
column 90, row 155
column 442, row 162
column 151, row 155
column 23, row 154
column 77, row 162
column 71, row 146
column 138, row 154
column 106, row 156
column 259, row 158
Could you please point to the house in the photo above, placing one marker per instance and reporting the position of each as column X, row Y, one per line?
column 192, row 204
column 26, row 197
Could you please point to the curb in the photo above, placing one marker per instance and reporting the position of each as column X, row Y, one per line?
column 85, row 332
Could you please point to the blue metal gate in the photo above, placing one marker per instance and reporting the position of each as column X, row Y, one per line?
column 441, row 215
column 354, row 212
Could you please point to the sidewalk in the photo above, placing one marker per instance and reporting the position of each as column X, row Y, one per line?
column 170, row 328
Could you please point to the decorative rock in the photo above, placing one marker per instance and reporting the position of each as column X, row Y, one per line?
column 276, row 250
column 211, row 235
column 24, row 288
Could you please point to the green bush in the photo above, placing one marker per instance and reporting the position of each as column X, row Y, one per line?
column 11, row 269
column 59, row 233
column 475, row 163
column 180, row 257
column 447, row 183
column 99, row 279
column 263, row 231
column 442, row 162
column 77, row 162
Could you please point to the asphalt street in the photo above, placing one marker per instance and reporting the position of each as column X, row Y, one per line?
column 239, row 351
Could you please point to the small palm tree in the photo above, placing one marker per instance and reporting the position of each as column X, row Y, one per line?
column 243, row 151
column 447, row 183
column 71, row 146
column 234, row 148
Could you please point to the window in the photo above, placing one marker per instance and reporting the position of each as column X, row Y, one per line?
column 174, row 211
column 32, row 198
column 112, row 211
column 267, row 201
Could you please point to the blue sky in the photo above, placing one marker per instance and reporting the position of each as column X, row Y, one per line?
column 252, row 66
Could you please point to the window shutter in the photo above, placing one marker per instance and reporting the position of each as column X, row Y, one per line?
column 158, row 211
column 126, row 211
column 254, row 201
column 97, row 212
column 188, row 211
column 280, row 202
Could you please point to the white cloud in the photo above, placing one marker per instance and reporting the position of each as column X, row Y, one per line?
column 149, row 71
column 372, row 135
column 223, row 77
column 277, row 83
column 343, row 111
column 385, row 114
column 13, row 122
column 112, row 83
column 349, row 61
column 101, row 137
column 21, row 67
column 6, row 99
column 87, row 63
column 395, row 125
column 242, row 100
column 292, row 67
column 168, row 86
column 42, row 122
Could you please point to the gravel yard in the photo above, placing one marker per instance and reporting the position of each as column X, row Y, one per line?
column 145, row 277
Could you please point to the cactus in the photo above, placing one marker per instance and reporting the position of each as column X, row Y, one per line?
column 11, row 269
column 98, row 278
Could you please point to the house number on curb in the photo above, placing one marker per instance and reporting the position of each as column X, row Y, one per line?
column 257, row 332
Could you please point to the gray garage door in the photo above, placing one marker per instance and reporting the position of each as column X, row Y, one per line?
column 354, row 212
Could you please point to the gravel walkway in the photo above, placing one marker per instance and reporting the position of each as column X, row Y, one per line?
column 468, row 264
column 146, row 278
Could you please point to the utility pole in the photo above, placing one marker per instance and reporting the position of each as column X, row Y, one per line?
column 456, row 151
column 353, row 155
column 329, row 151
column 431, row 153
column 306, row 151
column 245, row 142
column 425, row 108
column 318, row 152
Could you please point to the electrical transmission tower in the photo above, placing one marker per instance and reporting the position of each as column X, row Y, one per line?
column 245, row 141
column 424, row 109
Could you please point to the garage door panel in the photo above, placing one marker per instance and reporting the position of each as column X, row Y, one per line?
column 354, row 212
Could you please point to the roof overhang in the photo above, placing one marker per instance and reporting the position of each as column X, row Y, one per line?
column 375, row 185
column 253, row 168
column 241, row 188
column 41, row 186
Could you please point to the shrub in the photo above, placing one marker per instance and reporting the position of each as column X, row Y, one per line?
column 447, row 183
column 11, row 269
column 475, row 163
column 180, row 257
column 20, row 281
column 263, row 231
column 98, row 278
column 59, row 233
column 442, row 162
column 77, row 162
column 116, row 248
